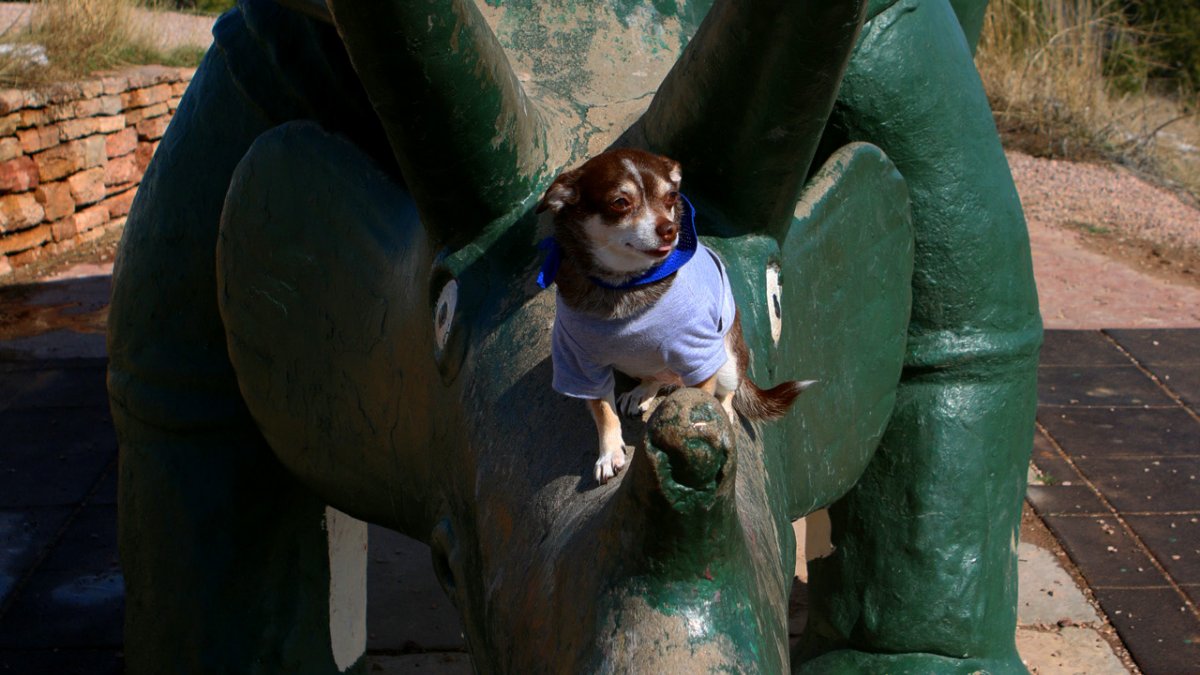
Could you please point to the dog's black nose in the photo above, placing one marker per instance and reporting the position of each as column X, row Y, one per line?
column 666, row 229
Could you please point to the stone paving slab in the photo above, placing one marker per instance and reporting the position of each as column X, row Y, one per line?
column 1071, row 650
column 62, row 662
column 74, row 596
column 1080, row 348
column 1146, row 433
column 26, row 535
column 1068, row 500
column 438, row 664
column 1046, row 594
column 1172, row 355
column 57, row 320
column 1053, row 468
column 1122, row 455
column 54, row 456
column 1106, row 553
column 66, row 609
column 40, row 384
column 1175, row 539
column 1183, row 381
column 1149, row 485
column 1109, row 386
column 1156, row 626
column 1168, row 346
column 407, row 610
column 106, row 489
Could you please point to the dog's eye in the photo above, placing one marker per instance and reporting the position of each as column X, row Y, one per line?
column 672, row 198
column 620, row 204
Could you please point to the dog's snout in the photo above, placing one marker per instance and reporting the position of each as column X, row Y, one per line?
column 666, row 229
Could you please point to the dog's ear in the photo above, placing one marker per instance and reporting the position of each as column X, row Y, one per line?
column 674, row 171
column 562, row 192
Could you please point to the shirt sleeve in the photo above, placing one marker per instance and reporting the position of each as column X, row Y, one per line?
column 575, row 374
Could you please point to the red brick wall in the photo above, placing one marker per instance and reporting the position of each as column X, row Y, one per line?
column 72, row 155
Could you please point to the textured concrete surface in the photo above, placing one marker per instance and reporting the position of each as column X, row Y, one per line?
column 1047, row 594
column 1071, row 650
column 1058, row 630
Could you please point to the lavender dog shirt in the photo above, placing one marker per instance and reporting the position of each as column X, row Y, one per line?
column 684, row 333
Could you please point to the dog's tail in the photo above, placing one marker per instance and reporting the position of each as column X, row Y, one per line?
column 757, row 404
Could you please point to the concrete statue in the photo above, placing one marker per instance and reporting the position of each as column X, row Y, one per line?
column 325, row 313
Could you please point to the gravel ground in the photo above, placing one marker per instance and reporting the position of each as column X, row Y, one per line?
column 1110, row 250
column 1103, row 197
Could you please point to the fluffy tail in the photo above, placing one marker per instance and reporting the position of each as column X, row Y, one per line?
column 757, row 404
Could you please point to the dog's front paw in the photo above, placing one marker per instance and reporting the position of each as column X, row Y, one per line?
column 638, row 400
column 626, row 404
column 611, row 461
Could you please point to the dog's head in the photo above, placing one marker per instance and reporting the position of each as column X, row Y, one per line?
column 622, row 207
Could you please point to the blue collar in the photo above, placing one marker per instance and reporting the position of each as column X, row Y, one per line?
column 683, row 252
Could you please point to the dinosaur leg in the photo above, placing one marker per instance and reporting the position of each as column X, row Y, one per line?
column 924, row 574
column 226, row 556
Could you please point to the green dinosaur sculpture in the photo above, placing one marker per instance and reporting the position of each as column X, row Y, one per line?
column 325, row 304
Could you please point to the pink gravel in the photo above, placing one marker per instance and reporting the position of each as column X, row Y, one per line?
column 1102, row 195
column 1079, row 288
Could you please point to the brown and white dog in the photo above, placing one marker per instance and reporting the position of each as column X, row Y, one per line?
column 619, row 219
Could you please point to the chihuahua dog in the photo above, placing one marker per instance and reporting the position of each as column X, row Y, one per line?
column 639, row 294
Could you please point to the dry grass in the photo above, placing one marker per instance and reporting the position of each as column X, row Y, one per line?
column 80, row 37
column 1068, row 78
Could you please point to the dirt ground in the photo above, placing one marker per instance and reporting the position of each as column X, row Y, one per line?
column 94, row 257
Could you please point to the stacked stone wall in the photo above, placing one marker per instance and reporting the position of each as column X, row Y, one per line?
column 72, row 155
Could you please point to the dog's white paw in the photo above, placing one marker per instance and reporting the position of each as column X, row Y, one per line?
column 609, row 464
column 636, row 401
column 626, row 403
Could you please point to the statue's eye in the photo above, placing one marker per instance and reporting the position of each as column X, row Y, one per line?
column 443, row 313
column 774, row 301
column 620, row 204
column 450, row 331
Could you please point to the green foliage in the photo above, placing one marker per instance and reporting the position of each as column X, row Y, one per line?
column 1071, row 78
column 202, row 6
column 1052, row 67
column 1176, row 23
